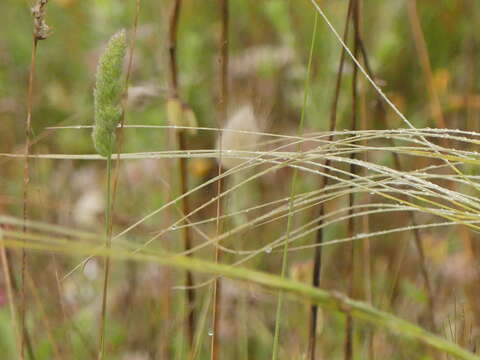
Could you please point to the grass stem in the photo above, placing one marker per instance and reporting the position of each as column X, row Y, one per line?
column 333, row 301
column 183, row 174
column 278, row 315
column 106, row 261
column 41, row 31
column 350, row 254
column 317, row 257
column 222, row 117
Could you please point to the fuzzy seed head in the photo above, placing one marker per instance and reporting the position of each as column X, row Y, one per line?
column 244, row 120
column 107, row 93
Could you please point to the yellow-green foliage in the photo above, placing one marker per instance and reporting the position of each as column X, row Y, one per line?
column 107, row 93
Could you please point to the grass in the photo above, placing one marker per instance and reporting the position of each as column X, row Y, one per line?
column 270, row 196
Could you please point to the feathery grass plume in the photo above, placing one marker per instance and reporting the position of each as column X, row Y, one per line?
column 242, row 120
column 107, row 93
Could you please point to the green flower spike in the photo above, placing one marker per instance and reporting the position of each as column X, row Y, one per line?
column 107, row 94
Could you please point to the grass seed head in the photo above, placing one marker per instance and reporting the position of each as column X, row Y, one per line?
column 107, row 93
column 41, row 30
column 242, row 120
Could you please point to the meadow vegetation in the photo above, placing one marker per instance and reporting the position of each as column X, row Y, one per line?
column 239, row 179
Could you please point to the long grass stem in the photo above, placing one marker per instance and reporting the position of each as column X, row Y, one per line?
column 222, row 117
column 106, row 260
column 41, row 31
column 350, row 254
column 278, row 315
column 183, row 174
column 317, row 257
column 333, row 301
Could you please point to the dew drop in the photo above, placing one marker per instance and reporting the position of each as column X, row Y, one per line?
column 268, row 250
column 210, row 332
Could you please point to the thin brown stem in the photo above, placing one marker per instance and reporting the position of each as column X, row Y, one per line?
column 41, row 31
column 172, row 46
column 222, row 117
column 317, row 259
column 348, row 348
column 26, row 181
column 183, row 174
column 366, row 247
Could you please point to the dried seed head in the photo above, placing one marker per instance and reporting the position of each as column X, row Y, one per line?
column 41, row 30
column 242, row 120
column 107, row 93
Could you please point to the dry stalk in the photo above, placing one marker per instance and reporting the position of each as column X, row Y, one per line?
column 222, row 116
column 317, row 259
column 41, row 31
column 366, row 247
column 183, row 174
column 348, row 347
